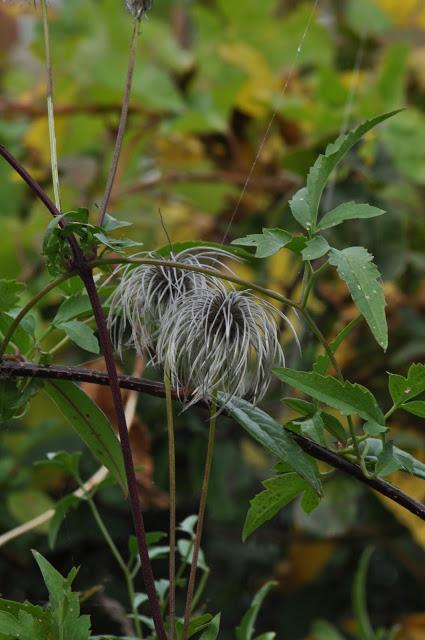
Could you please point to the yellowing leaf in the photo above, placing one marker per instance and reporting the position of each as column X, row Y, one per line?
column 406, row 13
column 262, row 84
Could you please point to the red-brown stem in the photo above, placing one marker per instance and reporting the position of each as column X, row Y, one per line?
column 86, row 274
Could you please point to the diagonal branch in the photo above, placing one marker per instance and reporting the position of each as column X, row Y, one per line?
column 29, row 370
column 81, row 266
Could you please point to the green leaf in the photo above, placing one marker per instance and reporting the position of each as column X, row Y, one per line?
column 403, row 389
column 333, row 425
column 245, row 631
column 300, row 406
column 361, row 275
column 279, row 491
column 313, row 427
column 364, row 626
column 348, row 211
column 20, row 337
column 91, row 424
column 392, row 458
column 300, row 208
column 310, row 500
column 185, row 548
column 323, row 630
column 72, row 308
column 211, row 632
column 273, row 437
column 10, row 291
column 196, row 625
column 315, row 248
column 110, row 223
column 347, row 397
column 81, row 334
column 417, row 408
column 267, row 243
column 326, row 163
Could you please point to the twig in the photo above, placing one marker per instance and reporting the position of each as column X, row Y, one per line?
column 122, row 124
column 29, row 370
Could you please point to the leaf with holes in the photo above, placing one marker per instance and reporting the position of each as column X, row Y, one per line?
column 403, row 389
column 91, row 425
column 355, row 267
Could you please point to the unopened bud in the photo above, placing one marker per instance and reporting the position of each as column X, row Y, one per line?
column 138, row 7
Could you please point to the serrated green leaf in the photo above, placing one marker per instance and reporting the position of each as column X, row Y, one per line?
column 347, row 397
column 315, row 248
column 417, row 408
column 348, row 211
column 267, row 243
column 361, row 275
column 91, row 424
column 81, row 334
column 245, row 630
column 300, row 208
column 403, row 389
column 310, row 500
column 10, row 291
column 279, row 491
column 326, row 163
column 273, row 437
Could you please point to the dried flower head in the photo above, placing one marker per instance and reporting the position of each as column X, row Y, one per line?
column 146, row 292
column 221, row 340
column 138, row 7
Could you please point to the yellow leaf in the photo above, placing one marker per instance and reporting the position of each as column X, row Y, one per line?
column 406, row 13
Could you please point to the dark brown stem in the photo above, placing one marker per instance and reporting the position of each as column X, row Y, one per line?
column 86, row 274
column 29, row 370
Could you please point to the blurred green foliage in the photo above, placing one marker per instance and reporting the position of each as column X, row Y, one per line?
column 224, row 91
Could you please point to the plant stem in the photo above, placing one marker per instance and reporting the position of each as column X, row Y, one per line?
column 200, row 590
column 118, row 557
column 172, row 264
column 50, row 107
column 27, row 308
column 31, row 370
column 122, row 124
column 201, row 518
column 172, row 489
column 84, row 271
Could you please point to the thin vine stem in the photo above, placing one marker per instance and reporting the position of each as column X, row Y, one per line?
column 118, row 557
column 122, row 123
column 201, row 517
column 50, row 106
column 172, row 490
column 29, row 306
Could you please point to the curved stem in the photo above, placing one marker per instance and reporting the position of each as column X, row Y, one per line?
column 172, row 489
column 201, row 518
column 190, row 267
column 27, row 308
column 118, row 557
column 122, row 124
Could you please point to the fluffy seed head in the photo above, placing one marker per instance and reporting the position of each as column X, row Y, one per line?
column 138, row 7
column 220, row 340
column 145, row 293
